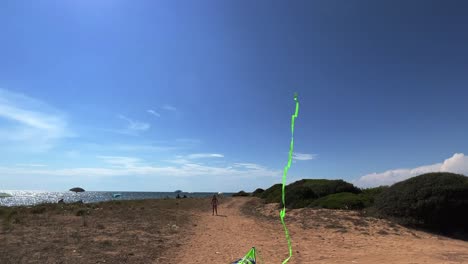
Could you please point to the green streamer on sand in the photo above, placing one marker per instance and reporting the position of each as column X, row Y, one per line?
column 285, row 173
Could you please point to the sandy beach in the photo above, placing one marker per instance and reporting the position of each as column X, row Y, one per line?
column 184, row 231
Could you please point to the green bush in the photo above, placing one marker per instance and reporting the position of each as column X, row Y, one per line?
column 258, row 192
column 302, row 193
column 369, row 195
column 299, row 196
column 343, row 200
column 241, row 193
column 324, row 187
column 434, row 200
column 272, row 194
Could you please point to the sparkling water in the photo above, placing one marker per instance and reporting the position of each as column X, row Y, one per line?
column 38, row 197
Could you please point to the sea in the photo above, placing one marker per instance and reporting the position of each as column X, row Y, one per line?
column 27, row 198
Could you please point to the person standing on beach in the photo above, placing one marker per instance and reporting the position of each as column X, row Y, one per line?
column 214, row 203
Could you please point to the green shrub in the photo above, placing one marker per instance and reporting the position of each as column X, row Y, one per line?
column 272, row 194
column 241, row 193
column 258, row 192
column 302, row 193
column 343, row 200
column 435, row 200
column 299, row 196
column 324, row 187
column 369, row 195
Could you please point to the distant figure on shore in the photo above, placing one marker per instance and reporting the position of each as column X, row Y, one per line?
column 178, row 196
column 214, row 203
column 185, row 196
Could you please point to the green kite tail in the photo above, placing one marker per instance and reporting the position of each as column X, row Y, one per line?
column 285, row 173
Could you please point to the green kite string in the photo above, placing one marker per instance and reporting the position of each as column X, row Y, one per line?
column 285, row 173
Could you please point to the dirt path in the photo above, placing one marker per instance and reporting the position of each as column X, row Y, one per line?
column 319, row 236
column 230, row 235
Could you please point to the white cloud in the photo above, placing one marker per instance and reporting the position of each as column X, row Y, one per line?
column 303, row 156
column 248, row 166
column 152, row 112
column 119, row 161
column 458, row 163
column 169, row 107
column 30, row 122
column 204, row 155
column 133, row 126
column 130, row 166
column 188, row 159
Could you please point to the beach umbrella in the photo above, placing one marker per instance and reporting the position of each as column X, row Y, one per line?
column 77, row 189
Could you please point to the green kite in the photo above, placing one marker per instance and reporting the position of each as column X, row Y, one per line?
column 250, row 258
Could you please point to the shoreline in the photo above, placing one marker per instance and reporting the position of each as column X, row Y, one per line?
column 30, row 198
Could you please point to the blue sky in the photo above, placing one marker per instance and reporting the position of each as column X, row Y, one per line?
column 197, row 95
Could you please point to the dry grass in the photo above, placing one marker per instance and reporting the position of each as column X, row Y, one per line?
column 110, row 232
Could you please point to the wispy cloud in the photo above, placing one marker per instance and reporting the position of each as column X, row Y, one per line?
column 30, row 121
column 248, row 166
column 458, row 163
column 131, row 166
column 204, row 155
column 154, row 113
column 119, row 161
column 303, row 156
column 189, row 159
column 169, row 107
column 134, row 126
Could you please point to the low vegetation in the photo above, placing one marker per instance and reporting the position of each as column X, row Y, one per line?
column 99, row 232
column 272, row 194
column 438, row 201
column 258, row 192
column 343, row 200
column 241, row 193
column 435, row 200
column 333, row 194
column 8, row 217
column 323, row 187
